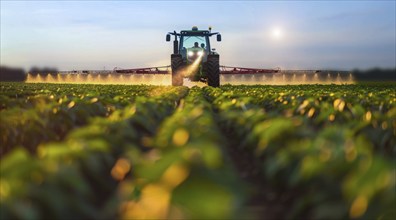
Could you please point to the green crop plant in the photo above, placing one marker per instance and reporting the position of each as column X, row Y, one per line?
column 232, row 152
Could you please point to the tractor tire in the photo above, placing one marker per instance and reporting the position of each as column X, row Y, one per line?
column 213, row 70
column 176, row 64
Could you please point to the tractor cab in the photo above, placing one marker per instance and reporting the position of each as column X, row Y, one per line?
column 192, row 47
column 194, row 44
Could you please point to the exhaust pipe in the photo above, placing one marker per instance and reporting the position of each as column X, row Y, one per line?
column 175, row 44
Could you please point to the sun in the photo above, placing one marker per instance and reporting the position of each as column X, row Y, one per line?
column 277, row 33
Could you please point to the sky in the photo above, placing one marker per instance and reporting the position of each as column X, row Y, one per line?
column 97, row 35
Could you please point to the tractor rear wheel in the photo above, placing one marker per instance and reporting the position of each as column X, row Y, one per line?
column 213, row 70
column 176, row 64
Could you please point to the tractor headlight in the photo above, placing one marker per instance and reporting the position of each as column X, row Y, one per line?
column 200, row 53
column 190, row 53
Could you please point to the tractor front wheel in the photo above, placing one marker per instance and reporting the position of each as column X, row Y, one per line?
column 213, row 70
column 176, row 64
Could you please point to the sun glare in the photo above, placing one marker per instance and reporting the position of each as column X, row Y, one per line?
column 277, row 33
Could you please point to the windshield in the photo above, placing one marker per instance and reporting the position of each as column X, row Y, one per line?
column 189, row 41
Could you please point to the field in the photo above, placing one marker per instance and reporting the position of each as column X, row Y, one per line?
column 72, row 151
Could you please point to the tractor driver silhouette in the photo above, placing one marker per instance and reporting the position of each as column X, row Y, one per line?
column 196, row 45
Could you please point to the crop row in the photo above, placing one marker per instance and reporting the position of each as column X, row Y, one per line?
column 185, row 175
column 314, row 165
column 368, row 110
column 47, row 115
column 37, row 95
column 77, row 178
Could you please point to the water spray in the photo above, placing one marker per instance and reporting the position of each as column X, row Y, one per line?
column 228, row 75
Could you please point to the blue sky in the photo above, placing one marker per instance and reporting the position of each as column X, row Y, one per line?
column 288, row 34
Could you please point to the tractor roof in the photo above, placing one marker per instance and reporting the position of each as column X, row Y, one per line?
column 195, row 33
column 200, row 33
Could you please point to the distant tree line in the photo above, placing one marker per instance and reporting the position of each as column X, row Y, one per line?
column 375, row 74
column 12, row 74
column 44, row 71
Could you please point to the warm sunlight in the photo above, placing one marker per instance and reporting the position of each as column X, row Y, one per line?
column 277, row 33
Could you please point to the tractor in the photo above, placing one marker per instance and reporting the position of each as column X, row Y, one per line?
column 193, row 57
